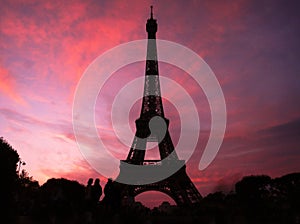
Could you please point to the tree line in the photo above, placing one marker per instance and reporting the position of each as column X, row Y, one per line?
column 256, row 199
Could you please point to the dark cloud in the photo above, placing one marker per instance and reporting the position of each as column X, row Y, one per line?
column 289, row 129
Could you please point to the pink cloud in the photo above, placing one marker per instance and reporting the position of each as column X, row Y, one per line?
column 8, row 86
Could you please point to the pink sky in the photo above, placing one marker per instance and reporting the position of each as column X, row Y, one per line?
column 252, row 47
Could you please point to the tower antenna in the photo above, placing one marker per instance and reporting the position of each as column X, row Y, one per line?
column 151, row 14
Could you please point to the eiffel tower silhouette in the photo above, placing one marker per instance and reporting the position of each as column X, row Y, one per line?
column 152, row 126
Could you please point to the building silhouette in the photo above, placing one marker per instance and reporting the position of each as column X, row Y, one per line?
column 152, row 126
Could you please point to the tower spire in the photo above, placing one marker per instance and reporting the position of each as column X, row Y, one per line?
column 151, row 26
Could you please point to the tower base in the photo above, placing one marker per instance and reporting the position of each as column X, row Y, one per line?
column 178, row 186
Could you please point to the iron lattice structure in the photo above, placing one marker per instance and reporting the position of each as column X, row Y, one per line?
column 178, row 186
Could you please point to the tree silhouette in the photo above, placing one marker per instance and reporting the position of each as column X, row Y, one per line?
column 253, row 194
column 286, row 194
column 252, row 189
column 27, row 194
column 9, row 159
column 62, row 199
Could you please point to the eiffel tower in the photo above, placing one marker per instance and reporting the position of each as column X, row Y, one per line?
column 177, row 185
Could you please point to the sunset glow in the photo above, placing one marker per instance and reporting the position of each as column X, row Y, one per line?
column 252, row 46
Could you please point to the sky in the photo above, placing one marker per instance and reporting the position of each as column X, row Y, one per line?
column 252, row 47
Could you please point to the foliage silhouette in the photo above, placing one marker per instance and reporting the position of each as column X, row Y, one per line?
column 256, row 199
column 9, row 159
